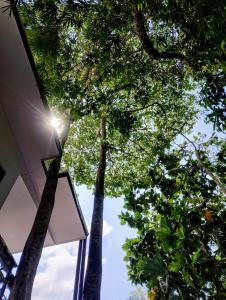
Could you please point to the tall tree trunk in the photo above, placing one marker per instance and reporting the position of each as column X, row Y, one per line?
column 32, row 251
column 93, row 277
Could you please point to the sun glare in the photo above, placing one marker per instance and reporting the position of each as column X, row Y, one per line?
column 56, row 123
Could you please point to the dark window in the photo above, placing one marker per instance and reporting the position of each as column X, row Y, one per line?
column 2, row 173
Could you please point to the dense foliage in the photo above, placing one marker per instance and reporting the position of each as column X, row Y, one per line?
column 81, row 43
column 180, row 217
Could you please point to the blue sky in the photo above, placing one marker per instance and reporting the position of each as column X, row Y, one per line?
column 56, row 272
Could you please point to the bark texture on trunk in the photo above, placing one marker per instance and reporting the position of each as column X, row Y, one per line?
column 93, row 277
column 32, row 251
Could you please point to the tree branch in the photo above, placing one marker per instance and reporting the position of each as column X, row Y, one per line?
column 147, row 106
column 110, row 146
column 145, row 40
column 205, row 168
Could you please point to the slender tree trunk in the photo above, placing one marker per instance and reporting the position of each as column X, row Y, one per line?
column 32, row 251
column 94, row 267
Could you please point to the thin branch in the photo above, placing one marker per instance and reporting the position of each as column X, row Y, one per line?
column 205, row 168
column 147, row 106
column 110, row 146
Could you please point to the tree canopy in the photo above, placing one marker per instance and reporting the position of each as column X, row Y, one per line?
column 93, row 41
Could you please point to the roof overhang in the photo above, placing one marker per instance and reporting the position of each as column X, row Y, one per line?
column 18, row 213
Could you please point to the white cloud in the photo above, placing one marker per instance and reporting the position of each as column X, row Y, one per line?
column 107, row 229
column 56, row 273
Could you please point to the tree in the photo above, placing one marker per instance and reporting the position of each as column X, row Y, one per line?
column 180, row 217
column 121, row 160
column 26, row 271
